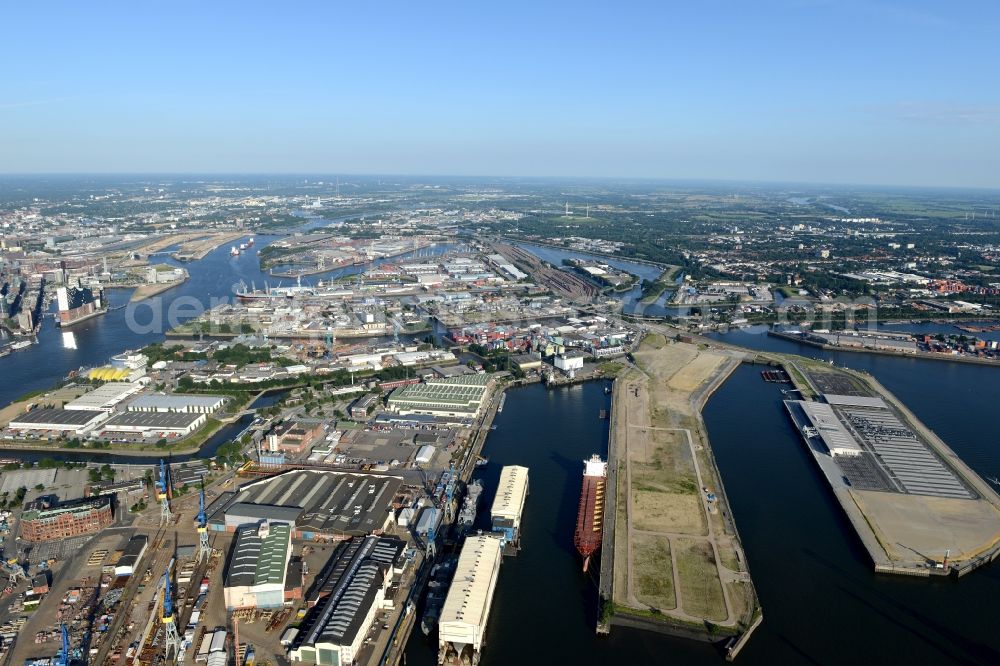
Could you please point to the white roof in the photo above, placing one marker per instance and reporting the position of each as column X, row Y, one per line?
column 854, row 400
column 831, row 430
column 425, row 454
column 105, row 397
column 511, row 491
column 467, row 606
column 174, row 401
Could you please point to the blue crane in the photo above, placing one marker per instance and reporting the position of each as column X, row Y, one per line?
column 202, row 517
column 204, row 551
column 168, row 602
column 172, row 639
column 161, row 485
column 64, row 655
column 162, row 489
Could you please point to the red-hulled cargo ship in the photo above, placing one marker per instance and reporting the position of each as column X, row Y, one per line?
column 590, row 516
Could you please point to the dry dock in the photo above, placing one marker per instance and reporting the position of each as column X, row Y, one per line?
column 916, row 507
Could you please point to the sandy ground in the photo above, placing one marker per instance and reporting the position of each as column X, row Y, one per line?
column 908, row 525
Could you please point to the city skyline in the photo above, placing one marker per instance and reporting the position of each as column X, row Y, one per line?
column 891, row 94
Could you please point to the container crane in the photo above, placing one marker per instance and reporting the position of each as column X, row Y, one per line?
column 204, row 551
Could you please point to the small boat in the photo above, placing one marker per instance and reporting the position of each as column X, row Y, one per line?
column 607, row 390
column 482, row 462
column 234, row 252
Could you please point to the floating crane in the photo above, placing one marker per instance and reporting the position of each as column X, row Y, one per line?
column 163, row 490
column 204, row 552
column 171, row 639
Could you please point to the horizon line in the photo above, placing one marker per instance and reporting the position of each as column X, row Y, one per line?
column 624, row 179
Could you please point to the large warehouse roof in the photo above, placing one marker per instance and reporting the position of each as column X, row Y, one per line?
column 175, row 402
column 71, row 418
column 511, row 491
column 467, row 606
column 330, row 502
column 830, row 429
column 152, row 420
column 854, row 400
column 259, row 561
column 105, row 397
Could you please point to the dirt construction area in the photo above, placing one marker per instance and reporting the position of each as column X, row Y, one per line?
column 675, row 555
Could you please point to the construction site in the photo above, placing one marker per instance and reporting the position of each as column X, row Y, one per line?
column 677, row 564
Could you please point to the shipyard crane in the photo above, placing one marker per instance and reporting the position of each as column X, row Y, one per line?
column 163, row 490
column 431, row 542
column 64, row 654
column 204, row 552
column 14, row 570
column 171, row 639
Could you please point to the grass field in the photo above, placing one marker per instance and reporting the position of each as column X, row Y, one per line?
column 653, row 575
column 701, row 589
column 664, row 486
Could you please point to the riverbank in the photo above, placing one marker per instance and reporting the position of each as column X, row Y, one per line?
column 673, row 559
column 884, row 352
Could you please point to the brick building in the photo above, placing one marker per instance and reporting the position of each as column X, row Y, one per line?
column 70, row 519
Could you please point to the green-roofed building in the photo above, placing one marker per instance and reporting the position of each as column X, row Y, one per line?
column 460, row 396
column 258, row 565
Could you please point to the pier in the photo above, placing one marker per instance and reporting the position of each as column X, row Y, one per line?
column 917, row 509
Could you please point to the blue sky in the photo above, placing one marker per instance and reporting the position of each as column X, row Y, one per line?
column 878, row 92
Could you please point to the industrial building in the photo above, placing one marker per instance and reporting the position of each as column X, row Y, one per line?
column 155, row 423
column 61, row 421
column 105, row 398
column 459, row 396
column 359, row 408
column 258, row 564
column 462, row 623
column 294, row 436
column 830, row 430
column 508, row 504
column 349, row 592
column 128, row 563
column 322, row 505
column 569, row 361
column 66, row 520
column 526, row 362
column 177, row 403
